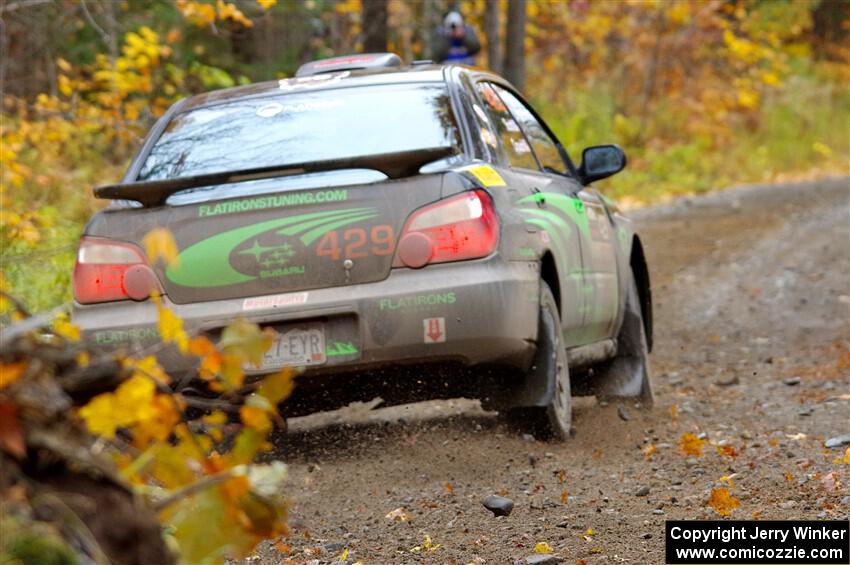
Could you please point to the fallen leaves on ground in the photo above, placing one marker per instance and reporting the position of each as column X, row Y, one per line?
column 398, row 515
column 722, row 501
column 427, row 546
column 830, row 482
column 690, row 444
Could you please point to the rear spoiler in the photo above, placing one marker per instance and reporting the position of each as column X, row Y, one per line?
column 154, row 193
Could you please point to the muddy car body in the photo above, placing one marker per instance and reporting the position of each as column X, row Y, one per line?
column 396, row 226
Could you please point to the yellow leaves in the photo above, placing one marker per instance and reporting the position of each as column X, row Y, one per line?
column 565, row 496
column 427, row 546
column 727, row 450
column 130, row 403
column 147, row 367
column 83, row 359
column 142, row 49
column 159, row 244
column 11, row 372
column 211, row 358
column 741, row 48
column 248, row 443
column 100, row 417
column 821, row 149
column 171, row 327
column 728, row 480
column 199, row 13
column 722, row 502
column 213, row 423
column 229, row 11
column 648, row 450
column 348, row 6
column 64, row 84
column 748, row 98
column 679, row 13
column 277, row 386
column 204, row 14
column 256, row 418
column 543, row 547
column 691, row 445
column 770, row 78
column 64, row 328
column 63, row 65
column 247, row 339
column 267, row 4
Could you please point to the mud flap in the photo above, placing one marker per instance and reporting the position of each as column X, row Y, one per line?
column 627, row 375
column 535, row 387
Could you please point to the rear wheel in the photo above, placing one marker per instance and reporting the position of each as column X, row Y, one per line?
column 555, row 418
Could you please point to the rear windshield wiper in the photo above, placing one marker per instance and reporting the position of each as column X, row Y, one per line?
column 154, row 193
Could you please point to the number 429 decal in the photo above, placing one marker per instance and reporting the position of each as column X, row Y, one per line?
column 357, row 243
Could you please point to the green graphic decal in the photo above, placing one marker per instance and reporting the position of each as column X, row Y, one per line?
column 417, row 301
column 260, row 250
column 274, row 201
column 572, row 208
column 340, row 348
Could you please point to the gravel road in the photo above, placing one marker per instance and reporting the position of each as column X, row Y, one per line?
column 752, row 295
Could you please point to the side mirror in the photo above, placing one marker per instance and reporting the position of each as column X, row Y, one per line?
column 601, row 161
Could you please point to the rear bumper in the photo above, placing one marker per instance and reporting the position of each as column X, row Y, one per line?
column 478, row 312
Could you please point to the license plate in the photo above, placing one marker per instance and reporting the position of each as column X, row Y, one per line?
column 296, row 348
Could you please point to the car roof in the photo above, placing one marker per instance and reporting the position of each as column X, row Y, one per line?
column 351, row 78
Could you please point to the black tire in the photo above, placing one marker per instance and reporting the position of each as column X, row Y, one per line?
column 627, row 375
column 554, row 420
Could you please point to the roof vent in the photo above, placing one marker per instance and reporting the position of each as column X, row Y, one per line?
column 349, row 63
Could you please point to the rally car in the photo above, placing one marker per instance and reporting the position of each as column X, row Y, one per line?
column 409, row 232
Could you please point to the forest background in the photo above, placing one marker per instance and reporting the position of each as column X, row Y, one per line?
column 702, row 94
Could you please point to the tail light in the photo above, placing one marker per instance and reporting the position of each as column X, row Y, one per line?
column 110, row 270
column 455, row 229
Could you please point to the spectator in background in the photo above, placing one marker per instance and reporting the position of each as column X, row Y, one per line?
column 455, row 42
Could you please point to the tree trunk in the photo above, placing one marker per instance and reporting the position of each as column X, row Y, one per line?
column 515, row 43
column 374, row 26
column 491, row 30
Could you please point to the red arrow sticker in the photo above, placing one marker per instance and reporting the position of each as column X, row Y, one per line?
column 434, row 330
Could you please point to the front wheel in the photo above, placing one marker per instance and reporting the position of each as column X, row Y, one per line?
column 554, row 419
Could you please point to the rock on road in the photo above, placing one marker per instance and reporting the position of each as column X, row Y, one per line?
column 752, row 295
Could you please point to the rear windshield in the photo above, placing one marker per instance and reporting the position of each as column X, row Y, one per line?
column 303, row 127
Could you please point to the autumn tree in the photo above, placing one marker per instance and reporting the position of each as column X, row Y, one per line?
column 491, row 30
column 514, row 67
column 374, row 26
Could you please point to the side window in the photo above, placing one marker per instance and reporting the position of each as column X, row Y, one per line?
column 516, row 147
column 543, row 145
column 482, row 132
